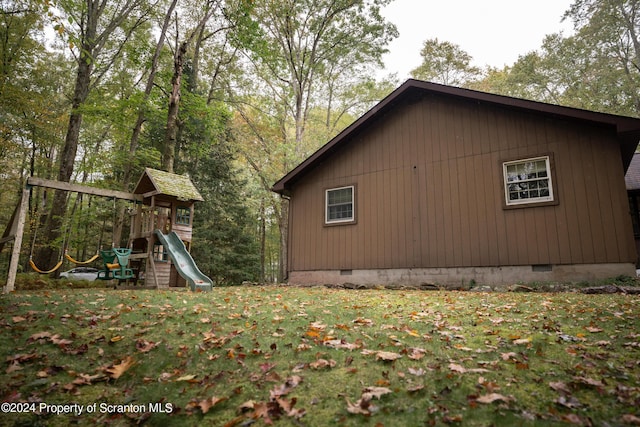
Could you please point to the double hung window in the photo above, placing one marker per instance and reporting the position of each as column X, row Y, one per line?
column 528, row 181
column 339, row 205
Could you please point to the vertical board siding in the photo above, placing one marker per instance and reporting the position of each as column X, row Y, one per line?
column 429, row 193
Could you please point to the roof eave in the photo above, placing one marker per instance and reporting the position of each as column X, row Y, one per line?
column 282, row 186
column 627, row 128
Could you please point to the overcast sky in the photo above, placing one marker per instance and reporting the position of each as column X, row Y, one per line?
column 493, row 32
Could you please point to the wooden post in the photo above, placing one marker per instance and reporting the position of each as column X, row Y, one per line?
column 153, row 270
column 17, row 243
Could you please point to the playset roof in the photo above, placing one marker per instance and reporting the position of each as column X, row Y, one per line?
column 155, row 182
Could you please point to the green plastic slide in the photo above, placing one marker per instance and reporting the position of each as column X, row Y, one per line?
column 185, row 265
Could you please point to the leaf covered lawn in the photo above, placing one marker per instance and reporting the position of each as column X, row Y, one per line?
column 315, row 356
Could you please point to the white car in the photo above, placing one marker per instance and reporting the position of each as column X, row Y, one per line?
column 81, row 273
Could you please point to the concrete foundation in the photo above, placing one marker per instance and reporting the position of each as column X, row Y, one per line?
column 463, row 276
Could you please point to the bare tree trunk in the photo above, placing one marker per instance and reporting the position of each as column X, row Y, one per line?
column 283, row 224
column 171, row 134
column 263, row 241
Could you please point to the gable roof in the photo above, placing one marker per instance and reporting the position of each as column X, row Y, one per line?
column 154, row 182
column 627, row 128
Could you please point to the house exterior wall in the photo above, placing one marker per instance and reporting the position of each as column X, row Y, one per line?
column 429, row 194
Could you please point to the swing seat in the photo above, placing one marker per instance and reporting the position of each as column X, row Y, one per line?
column 115, row 262
column 122, row 272
column 108, row 257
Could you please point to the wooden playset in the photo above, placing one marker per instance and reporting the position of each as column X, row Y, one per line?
column 159, row 239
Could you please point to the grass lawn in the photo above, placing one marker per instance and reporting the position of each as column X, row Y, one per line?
column 293, row 356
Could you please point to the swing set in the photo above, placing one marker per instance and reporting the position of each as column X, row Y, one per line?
column 161, row 232
column 113, row 269
column 60, row 262
column 115, row 260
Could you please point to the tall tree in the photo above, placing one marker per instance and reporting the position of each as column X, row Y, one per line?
column 445, row 63
column 301, row 41
column 612, row 30
column 595, row 68
column 214, row 18
column 129, row 166
column 225, row 244
column 97, row 33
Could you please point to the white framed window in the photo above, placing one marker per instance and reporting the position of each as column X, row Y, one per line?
column 528, row 181
column 339, row 205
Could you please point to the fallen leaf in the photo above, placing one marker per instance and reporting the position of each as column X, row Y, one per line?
column 60, row 341
column 361, row 407
column 560, row 386
column 589, row 382
column 261, row 410
column 284, row 389
column 415, row 388
column 318, row 326
column 509, row 356
column 630, row 419
column 454, row 367
column 363, row 321
column 207, row 404
column 287, row 407
column 417, row 372
column 457, row 368
column 387, row 356
column 190, row 377
column 371, row 392
column 340, row 344
column 246, row 406
column 145, row 346
column 116, row 371
column 416, row 353
column 570, row 402
column 15, row 366
column 322, row 364
column 266, row 367
column 303, row 347
column 493, row 397
column 39, row 336
column 576, row 419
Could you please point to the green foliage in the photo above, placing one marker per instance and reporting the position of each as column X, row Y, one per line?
column 225, row 243
column 445, row 63
column 594, row 69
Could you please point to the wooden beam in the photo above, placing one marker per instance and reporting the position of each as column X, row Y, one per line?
column 10, row 231
column 17, row 245
column 6, row 239
column 77, row 188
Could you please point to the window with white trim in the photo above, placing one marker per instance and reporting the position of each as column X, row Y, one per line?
column 339, row 205
column 528, row 181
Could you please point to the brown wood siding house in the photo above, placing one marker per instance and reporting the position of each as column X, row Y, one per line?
column 438, row 184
